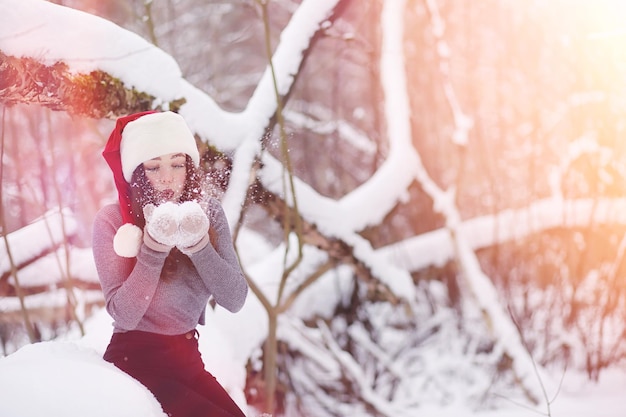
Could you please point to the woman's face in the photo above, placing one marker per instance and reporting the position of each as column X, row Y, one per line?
column 167, row 175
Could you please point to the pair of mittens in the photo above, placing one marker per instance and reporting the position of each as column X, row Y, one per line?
column 168, row 225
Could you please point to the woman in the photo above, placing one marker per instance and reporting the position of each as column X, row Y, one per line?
column 161, row 253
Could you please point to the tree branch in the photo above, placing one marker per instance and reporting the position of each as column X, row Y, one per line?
column 97, row 94
column 338, row 250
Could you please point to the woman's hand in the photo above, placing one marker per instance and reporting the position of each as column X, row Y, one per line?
column 193, row 228
column 185, row 226
column 161, row 230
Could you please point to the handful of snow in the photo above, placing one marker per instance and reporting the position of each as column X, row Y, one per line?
column 181, row 225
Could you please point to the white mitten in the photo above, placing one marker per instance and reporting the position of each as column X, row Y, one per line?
column 193, row 227
column 161, row 230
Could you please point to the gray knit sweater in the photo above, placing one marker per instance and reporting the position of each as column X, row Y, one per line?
column 138, row 299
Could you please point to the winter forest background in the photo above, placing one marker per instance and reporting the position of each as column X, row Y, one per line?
column 442, row 183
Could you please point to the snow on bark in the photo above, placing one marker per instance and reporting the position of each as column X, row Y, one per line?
column 38, row 237
column 287, row 58
column 95, row 94
column 505, row 226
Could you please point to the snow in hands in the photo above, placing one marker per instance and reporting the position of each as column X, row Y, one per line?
column 181, row 225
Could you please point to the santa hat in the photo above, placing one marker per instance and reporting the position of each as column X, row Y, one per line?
column 135, row 139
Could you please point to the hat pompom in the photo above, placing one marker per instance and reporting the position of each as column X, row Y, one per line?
column 127, row 240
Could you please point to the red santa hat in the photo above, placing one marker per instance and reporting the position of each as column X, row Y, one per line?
column 135, row 139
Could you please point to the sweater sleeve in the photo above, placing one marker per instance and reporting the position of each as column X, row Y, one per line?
column 128, row 284
column 218, row 265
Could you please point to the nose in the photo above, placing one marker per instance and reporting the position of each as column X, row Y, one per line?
column 166, row 176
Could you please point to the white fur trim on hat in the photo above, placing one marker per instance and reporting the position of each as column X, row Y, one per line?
column 127, row 240
column 153, row 135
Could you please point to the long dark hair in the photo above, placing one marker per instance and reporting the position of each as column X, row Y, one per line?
column 142, row 193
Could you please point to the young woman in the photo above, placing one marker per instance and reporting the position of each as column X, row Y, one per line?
column 161, row 253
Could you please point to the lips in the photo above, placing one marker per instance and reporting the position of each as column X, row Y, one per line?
column 166, row 195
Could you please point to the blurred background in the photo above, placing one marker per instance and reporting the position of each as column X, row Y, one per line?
column 540, row 84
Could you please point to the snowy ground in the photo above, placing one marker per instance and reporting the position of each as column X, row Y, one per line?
column 69, row 378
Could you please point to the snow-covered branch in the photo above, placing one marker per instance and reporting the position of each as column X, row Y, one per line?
column 42, row 235
column 415, row 254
